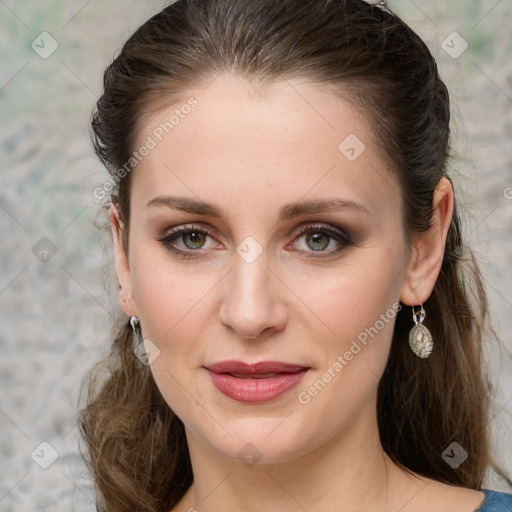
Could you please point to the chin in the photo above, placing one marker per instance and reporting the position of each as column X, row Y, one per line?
column 260, row 442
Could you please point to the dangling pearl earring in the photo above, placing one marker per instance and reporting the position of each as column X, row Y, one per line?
column 420, row 338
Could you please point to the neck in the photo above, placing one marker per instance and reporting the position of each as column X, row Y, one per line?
column 349, row 472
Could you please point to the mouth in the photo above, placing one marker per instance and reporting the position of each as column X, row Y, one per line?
column 255, row 376
column 255, row 382
column 259, row 369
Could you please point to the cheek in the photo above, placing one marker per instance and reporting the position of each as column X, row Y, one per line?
column 358, row 310
column 172, row 302
column 350, row 299
column 168, row 295
column 174, row 306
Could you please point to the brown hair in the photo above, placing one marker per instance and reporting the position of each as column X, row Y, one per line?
column 136, row 445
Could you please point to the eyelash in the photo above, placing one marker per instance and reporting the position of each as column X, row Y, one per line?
column 167, row 241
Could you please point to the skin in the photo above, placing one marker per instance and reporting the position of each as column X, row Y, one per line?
column 249, row 152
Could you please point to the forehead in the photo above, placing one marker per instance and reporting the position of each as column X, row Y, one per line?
column 290, row 138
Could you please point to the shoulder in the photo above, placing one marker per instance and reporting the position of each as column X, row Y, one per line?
column 435, row 496
column 496, row 501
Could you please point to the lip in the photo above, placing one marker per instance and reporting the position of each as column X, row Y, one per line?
column 255, row 382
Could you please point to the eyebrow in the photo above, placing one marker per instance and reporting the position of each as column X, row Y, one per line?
column 287, row 211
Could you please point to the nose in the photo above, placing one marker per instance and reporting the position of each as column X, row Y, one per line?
column 252, row 305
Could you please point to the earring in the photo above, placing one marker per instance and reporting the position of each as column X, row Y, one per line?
column 135, row 322
column 420, row 339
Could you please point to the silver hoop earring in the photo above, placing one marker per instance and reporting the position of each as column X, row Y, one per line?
column 420, row 338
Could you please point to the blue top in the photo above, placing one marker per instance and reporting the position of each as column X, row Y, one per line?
column 496, row 501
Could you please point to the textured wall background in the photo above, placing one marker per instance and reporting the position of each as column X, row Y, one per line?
column 54, row 304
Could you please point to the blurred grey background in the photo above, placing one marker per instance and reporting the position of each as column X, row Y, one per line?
column 55, row 304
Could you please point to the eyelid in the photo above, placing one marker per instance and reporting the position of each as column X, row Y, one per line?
column 175, row 232
column 336, row 233
column 339, row 235
column 308, row 227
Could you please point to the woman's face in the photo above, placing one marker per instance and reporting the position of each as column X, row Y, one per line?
column 293, row 253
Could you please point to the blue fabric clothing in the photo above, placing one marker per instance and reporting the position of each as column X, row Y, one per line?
column 496, row 501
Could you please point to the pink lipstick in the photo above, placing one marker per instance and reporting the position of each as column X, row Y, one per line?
column 256, row 382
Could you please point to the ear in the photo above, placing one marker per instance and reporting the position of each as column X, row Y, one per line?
column 428, row 248
column 126, row 299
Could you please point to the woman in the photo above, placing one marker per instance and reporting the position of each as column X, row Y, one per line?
column 304, row 322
